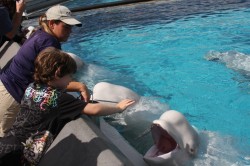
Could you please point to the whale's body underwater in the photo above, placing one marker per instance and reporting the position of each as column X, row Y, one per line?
column 232, row 59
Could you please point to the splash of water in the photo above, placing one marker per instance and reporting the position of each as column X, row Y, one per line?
column 217, row 149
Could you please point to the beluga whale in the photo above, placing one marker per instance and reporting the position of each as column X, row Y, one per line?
column 176, row 142
column 232, row 59
column 108, row 93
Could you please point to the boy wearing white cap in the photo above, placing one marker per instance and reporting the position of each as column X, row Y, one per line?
column 56, row 26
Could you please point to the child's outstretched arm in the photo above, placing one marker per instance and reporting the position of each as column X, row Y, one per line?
column 104, row 109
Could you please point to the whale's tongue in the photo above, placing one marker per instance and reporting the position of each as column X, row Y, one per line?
column 164, row 142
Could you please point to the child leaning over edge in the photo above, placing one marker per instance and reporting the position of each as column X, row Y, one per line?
column 46, row 100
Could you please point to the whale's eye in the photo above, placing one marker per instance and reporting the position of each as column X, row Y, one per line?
column 192, row 151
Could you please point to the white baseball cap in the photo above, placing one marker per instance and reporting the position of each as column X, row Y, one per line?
column 62, row 13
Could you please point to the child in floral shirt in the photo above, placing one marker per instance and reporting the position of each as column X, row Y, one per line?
column 46, row 105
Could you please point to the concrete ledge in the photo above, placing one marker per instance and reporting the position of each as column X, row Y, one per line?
column 7, row 52
column 82, row 143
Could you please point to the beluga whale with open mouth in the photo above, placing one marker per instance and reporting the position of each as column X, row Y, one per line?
column 176, row 142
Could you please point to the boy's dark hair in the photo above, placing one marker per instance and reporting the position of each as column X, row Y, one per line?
column 52, row 62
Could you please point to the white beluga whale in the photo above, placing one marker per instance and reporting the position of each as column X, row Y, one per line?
column 108, row 93
column 176, row 142
column 232, row 59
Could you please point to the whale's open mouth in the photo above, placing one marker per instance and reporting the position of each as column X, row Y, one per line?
column 164, row 143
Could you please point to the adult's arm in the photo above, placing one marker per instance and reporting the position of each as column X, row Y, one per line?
column 79, row 87
column 17, row 19
column 5, row 25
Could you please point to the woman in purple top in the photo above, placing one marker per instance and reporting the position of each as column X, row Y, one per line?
column 56, row 26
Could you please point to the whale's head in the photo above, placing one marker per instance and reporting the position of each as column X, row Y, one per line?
column 175, row 141
column 108, row 93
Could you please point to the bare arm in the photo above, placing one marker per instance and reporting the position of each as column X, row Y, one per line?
column 103, row 109
column 17, row 18
column 79, row 87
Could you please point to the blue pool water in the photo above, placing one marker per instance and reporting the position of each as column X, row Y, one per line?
column 160, row 50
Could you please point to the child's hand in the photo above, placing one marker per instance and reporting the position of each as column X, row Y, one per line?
column 122, row 105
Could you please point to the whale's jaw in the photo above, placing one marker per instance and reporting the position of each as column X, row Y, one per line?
column 165, row 150
column 164, row 143
column 175, row 141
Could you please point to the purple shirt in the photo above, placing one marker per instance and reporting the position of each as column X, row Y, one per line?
column 19, row 74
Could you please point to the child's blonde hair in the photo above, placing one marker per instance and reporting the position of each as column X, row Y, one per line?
column 43, row 22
